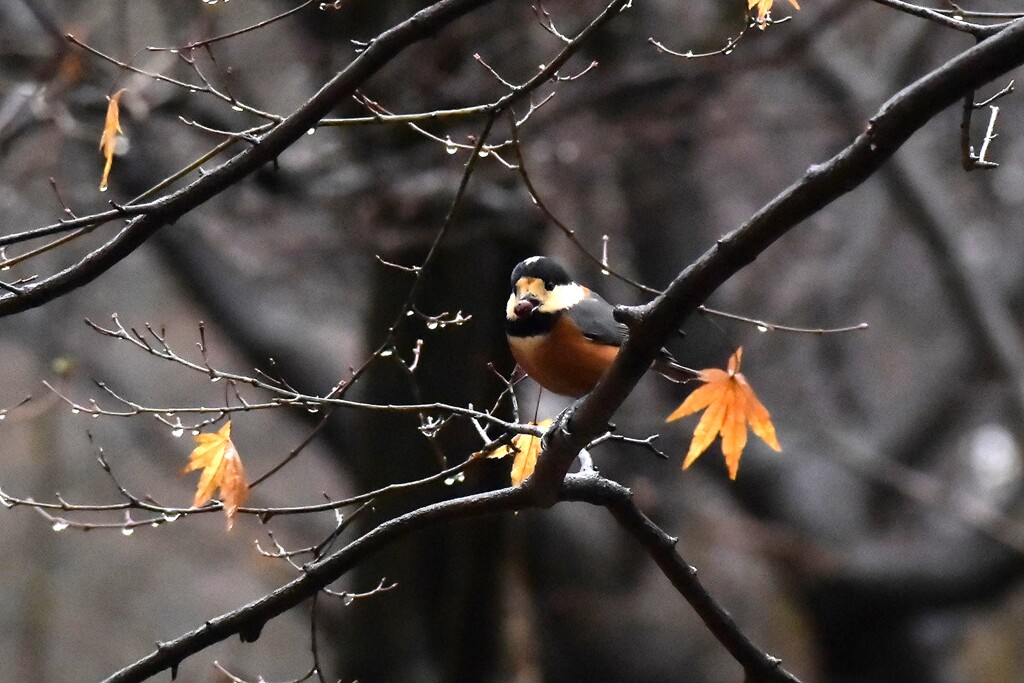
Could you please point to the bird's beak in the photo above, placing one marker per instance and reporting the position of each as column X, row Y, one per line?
column 525, row 306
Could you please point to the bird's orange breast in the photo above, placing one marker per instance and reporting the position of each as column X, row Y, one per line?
column 563, row 361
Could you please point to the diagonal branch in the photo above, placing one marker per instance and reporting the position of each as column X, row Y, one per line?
column 265, row 149
column 339, row 89
column 759, row 666
column 651, row 325
column 248, row 621
column 954, row 22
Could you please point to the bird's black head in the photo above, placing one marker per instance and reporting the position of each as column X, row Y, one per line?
column 541, row 289
column 542, row 268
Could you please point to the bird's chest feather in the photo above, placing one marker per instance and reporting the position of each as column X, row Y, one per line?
column 563, row 360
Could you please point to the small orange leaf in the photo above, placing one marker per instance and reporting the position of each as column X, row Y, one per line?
column 527, row 449
column 763, row 8
column 111, row 129
column 731, row 405
column 216, row 456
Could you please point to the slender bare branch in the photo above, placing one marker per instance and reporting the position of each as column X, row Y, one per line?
column 953, row 21
column 231, row 34
column 247, row 622
column 339, row 89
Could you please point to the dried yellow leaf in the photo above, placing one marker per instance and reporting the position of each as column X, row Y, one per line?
column 526, row 448
column 111, row 129
column 765, row 6
column 215, row 454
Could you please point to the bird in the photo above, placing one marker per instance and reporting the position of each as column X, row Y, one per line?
column 564, row 335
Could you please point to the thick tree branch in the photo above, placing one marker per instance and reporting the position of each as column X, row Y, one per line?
column 651, row 325
column 267, row 147
column 882, row 569
column 248, row 621
column 339, row 89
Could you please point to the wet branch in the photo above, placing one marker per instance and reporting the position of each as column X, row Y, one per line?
column 247, row 622
column 651, row 325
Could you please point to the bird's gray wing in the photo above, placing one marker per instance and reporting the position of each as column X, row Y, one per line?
column 593, row 316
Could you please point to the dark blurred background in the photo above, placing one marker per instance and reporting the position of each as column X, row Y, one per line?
column 883, row 544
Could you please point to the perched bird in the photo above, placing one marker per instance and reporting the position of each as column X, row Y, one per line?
column 564, row 335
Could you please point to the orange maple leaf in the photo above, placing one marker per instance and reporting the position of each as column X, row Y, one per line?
column 731, row 405
column 763, row 7
column 527, row 449
column 111, row 129
column 216, row 456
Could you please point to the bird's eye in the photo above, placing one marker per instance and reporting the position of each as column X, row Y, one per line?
column 549, row 286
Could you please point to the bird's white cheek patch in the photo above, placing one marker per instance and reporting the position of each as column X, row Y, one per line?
column 561, row 298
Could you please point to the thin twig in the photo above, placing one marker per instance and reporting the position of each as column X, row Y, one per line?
column 232, row 34
column 765, row 326
column 949, row 21
column 968, row 159
column 990, row 135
